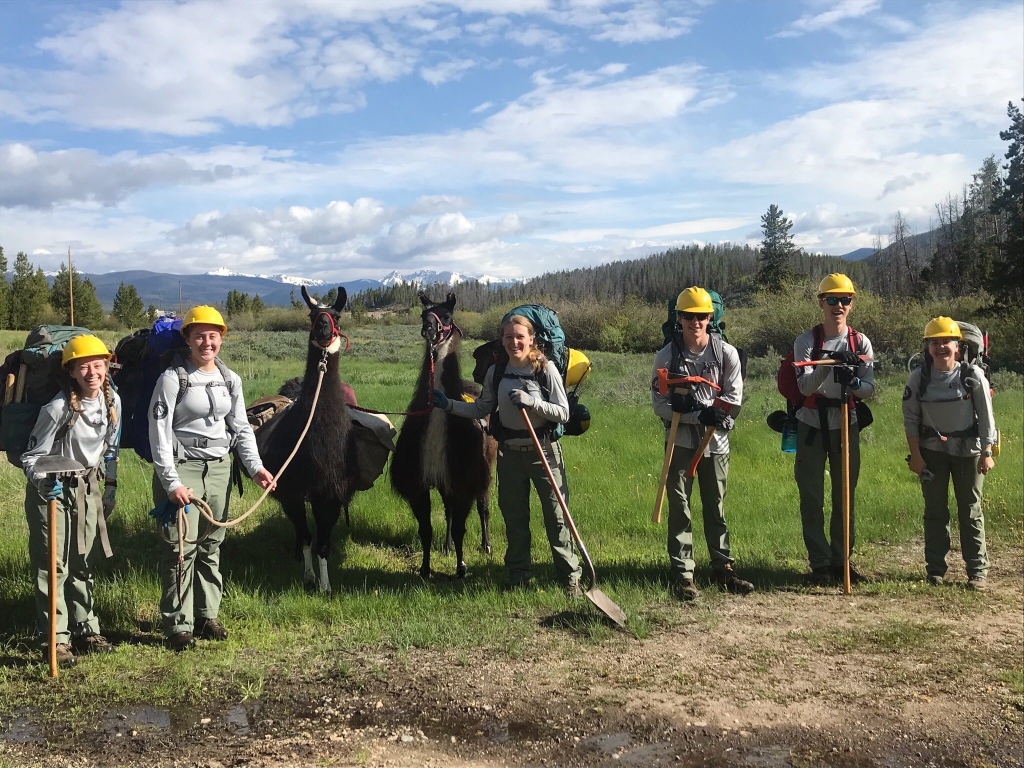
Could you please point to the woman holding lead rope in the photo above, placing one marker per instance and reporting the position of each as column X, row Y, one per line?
column 196, row 416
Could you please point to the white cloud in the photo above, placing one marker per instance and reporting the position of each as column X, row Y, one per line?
column 482, row 107
column 449, row 232
column 447, row 71
column 840, row 10
column 673, row 230
column 41, row 179
column 644, row 22
column 532, row 36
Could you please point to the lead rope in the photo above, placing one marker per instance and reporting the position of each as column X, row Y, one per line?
column 204, row 508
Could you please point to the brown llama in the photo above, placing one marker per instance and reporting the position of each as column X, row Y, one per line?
column 438, row 450
column 324, row 469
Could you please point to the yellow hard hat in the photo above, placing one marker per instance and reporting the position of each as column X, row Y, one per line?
column 836, row 283
column 578, row 368
column 85, row 345
column 203, row 314
column 942, row 328
column 695, row 300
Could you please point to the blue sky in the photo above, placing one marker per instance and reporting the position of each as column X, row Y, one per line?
column 346, row 138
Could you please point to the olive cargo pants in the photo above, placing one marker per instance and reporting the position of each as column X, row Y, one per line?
column 810, row 481
column 201, row 583
column 517, row 469
column 967, row 487
column 712, row 479
column 75, row 614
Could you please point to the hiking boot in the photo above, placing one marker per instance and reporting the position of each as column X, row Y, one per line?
column 821, row 577
column 181, row 641
column 935, row 580
column 975, row 583
column 684, row 590
column 65, row 657
column 574, row 591
column 727, row 578
column 855, row 577
column 211, row 629
column 84, row 644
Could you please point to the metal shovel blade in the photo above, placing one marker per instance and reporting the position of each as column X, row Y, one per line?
column 57, row 465
column 605, row 605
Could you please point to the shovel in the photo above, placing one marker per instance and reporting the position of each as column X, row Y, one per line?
column 56, row 467
column 603, row 603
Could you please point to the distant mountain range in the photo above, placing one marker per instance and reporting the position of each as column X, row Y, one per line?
column 162, row 289
column 858, row 255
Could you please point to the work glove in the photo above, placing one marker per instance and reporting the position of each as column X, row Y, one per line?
column 165, row 513
column 439, row 399
column 685, row 403
column 51, row 488
column 847, row 377
column 522, row 399
column 846, row 357
column 108, row 501
column 717, row 418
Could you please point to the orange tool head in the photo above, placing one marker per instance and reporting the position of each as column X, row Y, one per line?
column 665, row 382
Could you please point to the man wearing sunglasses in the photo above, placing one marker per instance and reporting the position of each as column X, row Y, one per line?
column 695, row 352
column 818, row 432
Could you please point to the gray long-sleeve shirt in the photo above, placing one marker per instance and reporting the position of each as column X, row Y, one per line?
column 555, row 408
column 91, row 437
column 819, row 379
column 207, row 411
column 703, row 364
column 943, row 408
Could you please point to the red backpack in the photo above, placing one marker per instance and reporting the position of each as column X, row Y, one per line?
column 788, row 387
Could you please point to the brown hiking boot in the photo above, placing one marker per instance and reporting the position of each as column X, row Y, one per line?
column 181, row 641
column 684, row 590
column 977, row 584
column 574, row 591
column 821, row 577
column 84, row 644
column 726, row 577
column 65, row 657
column 211, row 629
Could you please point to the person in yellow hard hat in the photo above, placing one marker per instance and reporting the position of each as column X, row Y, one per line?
column 695, row 352
column 951, row 431
column 818, row 430
column 196, row 416
column 81, row 422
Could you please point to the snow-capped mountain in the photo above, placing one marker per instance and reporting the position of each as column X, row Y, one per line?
column 431, row 277
column 286, row 279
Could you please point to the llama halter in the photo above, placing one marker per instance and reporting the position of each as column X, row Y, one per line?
column 335, row 331
column 444, row 332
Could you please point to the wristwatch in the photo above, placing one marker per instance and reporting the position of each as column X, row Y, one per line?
column 987, row 453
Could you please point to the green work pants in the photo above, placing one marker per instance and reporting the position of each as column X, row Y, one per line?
column 810, row 481
column 712, row 479
column 197, row 593
column 967, row 485
column 516, row 471
column 75, row 614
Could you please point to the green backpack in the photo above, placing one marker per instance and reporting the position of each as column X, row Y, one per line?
column 38, row 379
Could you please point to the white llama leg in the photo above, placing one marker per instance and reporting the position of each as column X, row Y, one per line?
column 325, row 579
column 308, row 574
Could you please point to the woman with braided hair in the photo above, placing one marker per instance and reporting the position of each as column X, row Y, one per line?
column 81, row 423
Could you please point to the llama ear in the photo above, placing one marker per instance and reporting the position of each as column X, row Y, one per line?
column 305, row 297
column 450, row 301
column 342, row 300
column 427, row 302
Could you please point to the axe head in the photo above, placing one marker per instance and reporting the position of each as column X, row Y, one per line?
column 665, row 382
column 58, row 466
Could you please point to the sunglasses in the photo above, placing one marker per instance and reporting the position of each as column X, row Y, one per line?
column 844, row 300
column 687, row 316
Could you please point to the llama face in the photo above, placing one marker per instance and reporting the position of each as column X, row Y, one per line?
column 323, row 330
column 438, row 323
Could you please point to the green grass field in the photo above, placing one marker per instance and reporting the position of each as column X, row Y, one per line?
column 379, row 600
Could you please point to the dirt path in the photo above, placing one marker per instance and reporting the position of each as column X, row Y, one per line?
column 775, row 679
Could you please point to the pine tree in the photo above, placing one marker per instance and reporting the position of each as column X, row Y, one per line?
column 5, row 293
column 151, row 313
column 1008, row 272
column 256, row 306
column 29, row 294
column 88, row 310
column 776, row 250
column 128, row 309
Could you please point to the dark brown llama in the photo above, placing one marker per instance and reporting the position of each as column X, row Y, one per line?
column 324, row 468
column 442, row 451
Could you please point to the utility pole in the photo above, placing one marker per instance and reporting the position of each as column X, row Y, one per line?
column 179, row 299
column 71, row 287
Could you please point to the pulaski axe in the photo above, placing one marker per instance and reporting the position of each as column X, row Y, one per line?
column 665, row 383
column 55, row 467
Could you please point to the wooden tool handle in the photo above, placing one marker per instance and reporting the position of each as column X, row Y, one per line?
column 9, row 388
column 670, row 447
column 704, row 443
column 51, row 508
column 844, row 427
column 19, row 388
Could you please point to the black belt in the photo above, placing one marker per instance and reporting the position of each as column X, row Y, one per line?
column 925, row 431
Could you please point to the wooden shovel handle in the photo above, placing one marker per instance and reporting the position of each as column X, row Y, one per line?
column 51, row 508
column 704, row 443
column 670, row 447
